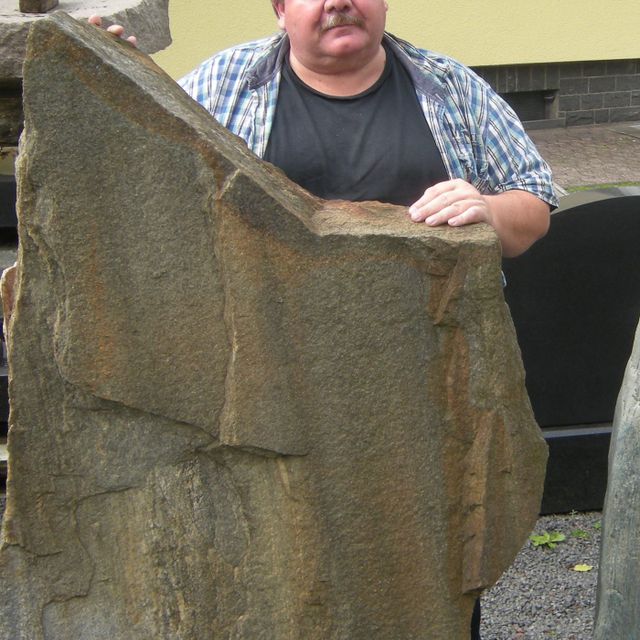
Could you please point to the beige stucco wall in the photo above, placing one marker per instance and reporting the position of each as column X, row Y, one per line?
column 477, row 33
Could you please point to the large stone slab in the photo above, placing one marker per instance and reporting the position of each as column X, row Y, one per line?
column 239, row 411
column 618, row 601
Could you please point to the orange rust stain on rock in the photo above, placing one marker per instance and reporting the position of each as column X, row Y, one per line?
column 102, row 360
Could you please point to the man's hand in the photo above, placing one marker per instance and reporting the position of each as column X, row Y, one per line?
column 116, row 29
column 454, row 202
column 518, row 217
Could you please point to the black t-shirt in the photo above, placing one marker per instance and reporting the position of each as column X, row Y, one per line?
column 376, row 145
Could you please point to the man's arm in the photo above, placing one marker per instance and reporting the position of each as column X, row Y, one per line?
column 513, row 189
column 518, row 217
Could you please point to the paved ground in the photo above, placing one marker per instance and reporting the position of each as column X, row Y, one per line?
column 597, row 154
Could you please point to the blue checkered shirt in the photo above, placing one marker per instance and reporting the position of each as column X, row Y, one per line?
column 478, row 135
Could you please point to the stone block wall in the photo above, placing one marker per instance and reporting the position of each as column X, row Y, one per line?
column 575, row 93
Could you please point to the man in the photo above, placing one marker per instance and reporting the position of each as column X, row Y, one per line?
column 321, row 99
column 349, row 111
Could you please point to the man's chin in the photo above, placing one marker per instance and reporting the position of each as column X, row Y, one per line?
column 344, row 31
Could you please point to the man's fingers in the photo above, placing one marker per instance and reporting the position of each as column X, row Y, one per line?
column 441, row 196
column 445, row 214
column 474, row 213
column 431, row 204
column 442, row 207
column 453, row 202
column 116, row 29
column 461, row 212
column 430, row 197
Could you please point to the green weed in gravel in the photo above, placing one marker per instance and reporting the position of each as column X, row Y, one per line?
column 547, row 540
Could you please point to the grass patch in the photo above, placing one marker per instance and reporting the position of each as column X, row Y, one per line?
column 591, row 187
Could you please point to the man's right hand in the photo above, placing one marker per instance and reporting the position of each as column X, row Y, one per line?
column 116, row 29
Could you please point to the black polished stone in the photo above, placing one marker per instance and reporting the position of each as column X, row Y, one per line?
column 4, row 400
column 576, row 477
column 7, row 202
column 575, row 301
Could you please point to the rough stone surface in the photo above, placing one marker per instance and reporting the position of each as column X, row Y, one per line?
column 148, row 19
column 239, row 411
column 618, row 602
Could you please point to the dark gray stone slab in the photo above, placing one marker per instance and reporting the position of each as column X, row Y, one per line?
column 575, row 301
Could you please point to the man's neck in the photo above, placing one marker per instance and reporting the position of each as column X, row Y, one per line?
column 341, row 79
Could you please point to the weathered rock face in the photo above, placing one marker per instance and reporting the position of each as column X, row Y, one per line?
column 618, row 605
column 239, row 411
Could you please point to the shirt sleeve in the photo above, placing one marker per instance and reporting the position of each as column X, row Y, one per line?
column 505, row 156
column 219, row 83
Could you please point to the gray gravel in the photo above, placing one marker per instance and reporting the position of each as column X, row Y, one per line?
column 541, row 596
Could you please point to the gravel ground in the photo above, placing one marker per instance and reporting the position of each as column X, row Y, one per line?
column 541, row 596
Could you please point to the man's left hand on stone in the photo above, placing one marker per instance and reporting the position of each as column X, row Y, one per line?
column 518, row 217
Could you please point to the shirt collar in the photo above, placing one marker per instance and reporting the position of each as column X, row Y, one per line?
column 427, row 73
column 414, row 60
column 270, row 62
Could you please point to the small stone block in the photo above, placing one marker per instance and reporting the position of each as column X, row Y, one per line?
column 37, row 6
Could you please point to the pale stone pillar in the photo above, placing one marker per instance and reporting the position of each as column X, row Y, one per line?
column 618, row 601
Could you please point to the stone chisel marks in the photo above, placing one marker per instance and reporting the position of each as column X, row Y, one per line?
column 239, row 411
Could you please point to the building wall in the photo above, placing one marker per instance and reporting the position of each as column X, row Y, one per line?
column 570, row 93
column 493, row 32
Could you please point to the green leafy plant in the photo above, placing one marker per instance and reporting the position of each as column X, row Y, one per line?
column 547, row 540
column 597, row 526
column 581, row 534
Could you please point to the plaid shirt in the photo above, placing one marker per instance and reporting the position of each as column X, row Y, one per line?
column 479, row 137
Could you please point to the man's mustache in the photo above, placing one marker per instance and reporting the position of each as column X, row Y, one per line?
column 342, row 20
